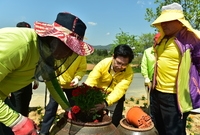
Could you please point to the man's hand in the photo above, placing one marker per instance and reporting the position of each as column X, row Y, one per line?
column 74, row 82
column 147, row 83
column 24, row 126
column 35, row 84
column 99, row 107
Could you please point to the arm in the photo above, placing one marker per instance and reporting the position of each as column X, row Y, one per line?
column 9, row 61
column 7, row 115
column 35, row 84
column 144, row 67
column 120, row 88
column 189, row 40
column 81, row 70
column 94, row 75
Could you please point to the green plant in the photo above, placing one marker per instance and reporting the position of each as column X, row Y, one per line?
column 145, row 105
column 188, row 126
column 39, row 110
column 132, row 99
column 138, row 101
column 143, row 97
column 189, row 119
column 85, row 98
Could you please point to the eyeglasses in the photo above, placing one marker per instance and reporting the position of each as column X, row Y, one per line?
column 123, row 65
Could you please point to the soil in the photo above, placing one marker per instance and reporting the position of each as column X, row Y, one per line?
column 193, row 120
column 192, row 126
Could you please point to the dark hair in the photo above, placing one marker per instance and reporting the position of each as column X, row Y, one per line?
column 23, row 24
column 124, row 51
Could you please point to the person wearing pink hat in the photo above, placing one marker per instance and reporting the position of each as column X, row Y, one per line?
column 20, row 99
column 68, row 81
column 147, row 67
column 148, row 61
column 176, row 80
column 39, row 53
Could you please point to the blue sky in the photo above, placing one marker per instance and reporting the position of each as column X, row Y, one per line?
column 104, row 18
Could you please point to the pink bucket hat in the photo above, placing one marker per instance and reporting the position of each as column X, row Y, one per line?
column 69, row 29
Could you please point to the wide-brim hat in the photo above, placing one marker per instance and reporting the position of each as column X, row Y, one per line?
column 69, row 29
column 172, row 12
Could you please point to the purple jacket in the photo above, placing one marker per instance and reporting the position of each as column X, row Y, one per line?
column 188, row 78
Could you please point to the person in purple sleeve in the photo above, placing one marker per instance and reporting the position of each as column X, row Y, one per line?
column 176, row 76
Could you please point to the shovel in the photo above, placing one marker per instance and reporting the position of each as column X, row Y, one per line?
column 148, row 98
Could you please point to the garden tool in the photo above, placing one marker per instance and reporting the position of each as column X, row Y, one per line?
column 45, row 97
column 148, row 89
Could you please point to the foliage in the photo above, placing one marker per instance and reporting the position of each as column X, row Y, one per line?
column 85, row 98
column 123, row 38
column 97, row 56
column 191, row 10
column 102, row 52
column 145, row 41
column 137, row 69
column 141, row 43
column 137, row 43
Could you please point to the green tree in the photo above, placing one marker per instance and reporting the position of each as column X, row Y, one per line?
column 124, row 38
column 97, row 56
column 191, row 10
column 102, row 52
column 145, row 41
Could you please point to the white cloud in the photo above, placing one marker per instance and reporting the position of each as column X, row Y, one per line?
column 140, row 2
column 143, row 2
column 92, row 23
column 108, row 33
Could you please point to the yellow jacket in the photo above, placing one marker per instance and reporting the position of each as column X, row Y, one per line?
column 77, row 69
column 116, row 85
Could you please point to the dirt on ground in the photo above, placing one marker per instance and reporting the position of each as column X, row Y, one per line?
column 193, row 120
column 192, row 126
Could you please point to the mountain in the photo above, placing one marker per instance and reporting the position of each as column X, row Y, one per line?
column 107, row 47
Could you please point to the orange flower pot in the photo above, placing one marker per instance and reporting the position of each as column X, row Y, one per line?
column 138, row 118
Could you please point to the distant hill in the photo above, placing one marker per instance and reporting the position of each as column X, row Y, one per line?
column 107, row 47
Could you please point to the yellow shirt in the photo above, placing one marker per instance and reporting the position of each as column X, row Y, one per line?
column 77, row 69
column 168, row 59
column 115, row 84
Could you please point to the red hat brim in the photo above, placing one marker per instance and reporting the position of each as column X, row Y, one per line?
column 58, row 31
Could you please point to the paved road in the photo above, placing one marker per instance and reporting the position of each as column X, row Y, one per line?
column 136, row 89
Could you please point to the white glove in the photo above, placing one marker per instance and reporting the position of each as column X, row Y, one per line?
column 147, row 80
column 147, row 83
column 74, row 82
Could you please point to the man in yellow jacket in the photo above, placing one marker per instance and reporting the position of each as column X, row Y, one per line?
column 114, row 75
column 68, row 81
